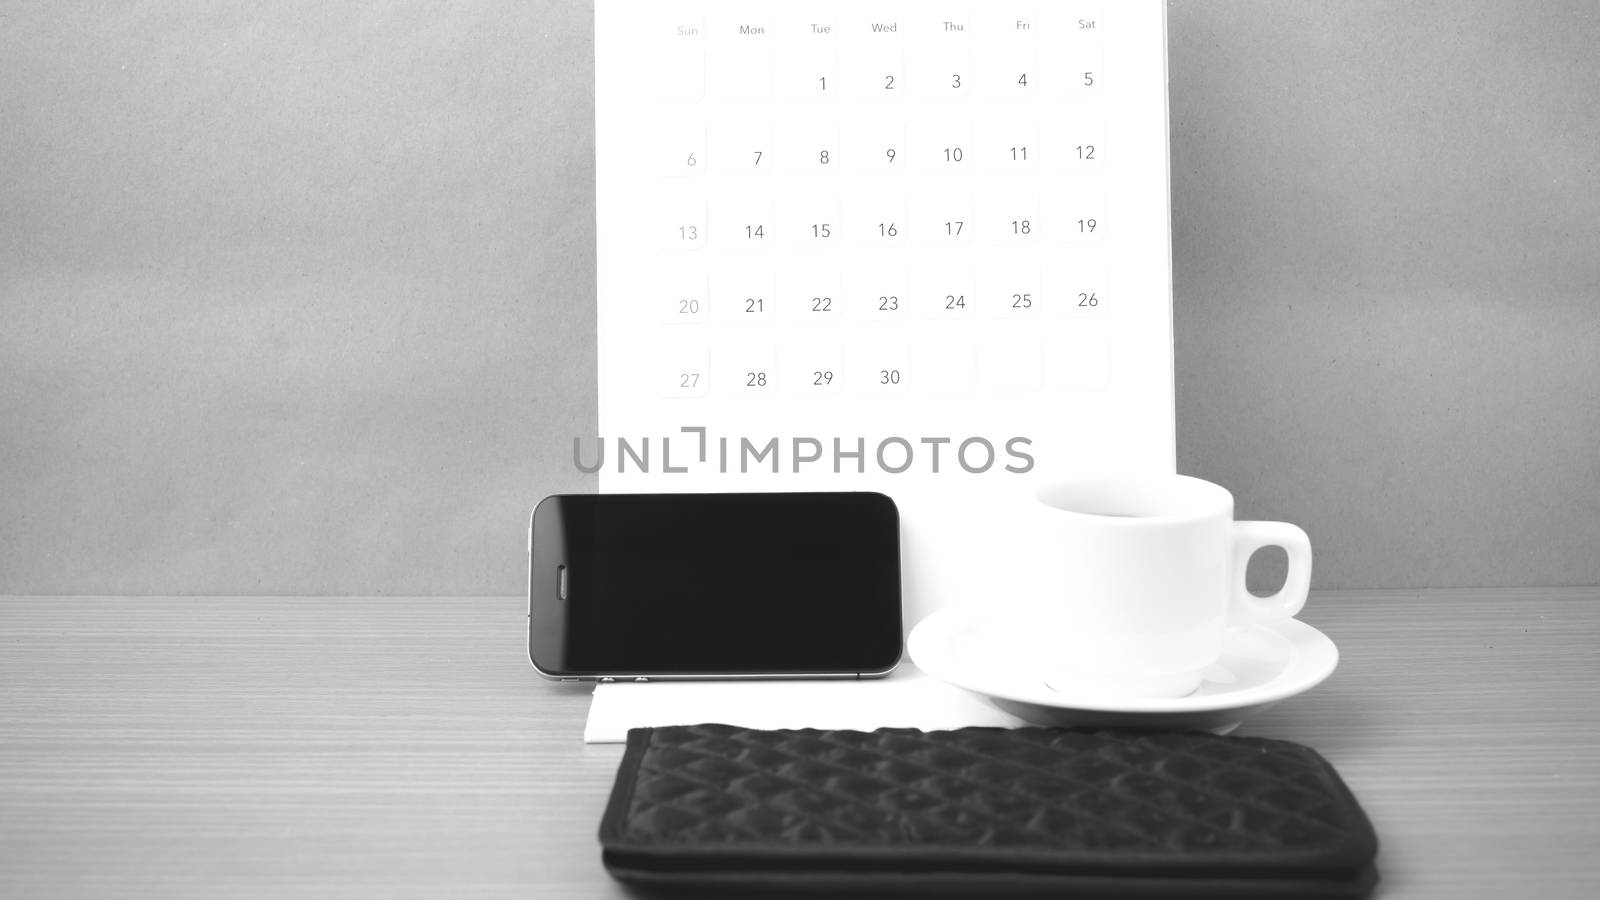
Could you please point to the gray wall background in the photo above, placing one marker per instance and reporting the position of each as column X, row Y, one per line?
column 297, row 298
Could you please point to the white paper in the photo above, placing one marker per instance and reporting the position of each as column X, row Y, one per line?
column 767, row 273
column 907, row 698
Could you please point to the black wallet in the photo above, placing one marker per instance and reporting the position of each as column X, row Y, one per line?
column 985, row 812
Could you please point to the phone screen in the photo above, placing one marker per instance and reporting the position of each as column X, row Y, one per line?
column 691, row 584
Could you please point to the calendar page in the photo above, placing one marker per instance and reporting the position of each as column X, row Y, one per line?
column 920, row 248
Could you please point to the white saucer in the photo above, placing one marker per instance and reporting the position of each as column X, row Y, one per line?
column 1003, row 660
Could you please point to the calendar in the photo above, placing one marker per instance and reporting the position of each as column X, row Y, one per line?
column 920, row 248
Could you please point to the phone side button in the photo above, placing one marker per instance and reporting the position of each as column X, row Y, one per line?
column 607, row 680
column 641, row 680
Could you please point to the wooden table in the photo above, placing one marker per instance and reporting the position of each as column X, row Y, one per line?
column 322, row 747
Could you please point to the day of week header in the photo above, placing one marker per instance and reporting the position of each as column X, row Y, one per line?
column 887, row 27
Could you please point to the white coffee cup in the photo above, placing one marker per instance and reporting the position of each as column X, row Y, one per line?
column 1144, row 575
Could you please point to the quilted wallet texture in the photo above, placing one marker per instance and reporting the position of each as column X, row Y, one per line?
column 985, row 812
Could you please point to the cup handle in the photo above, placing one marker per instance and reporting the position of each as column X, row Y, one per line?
column 1248, row 537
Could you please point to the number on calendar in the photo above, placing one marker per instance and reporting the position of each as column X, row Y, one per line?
column 888, row 376
column 822, row 377
column 1088, row 300
column 888, row 303
column 955, row 301
column 754, row 304
column 755, row 379
column 1022, row 301
column 821, row 304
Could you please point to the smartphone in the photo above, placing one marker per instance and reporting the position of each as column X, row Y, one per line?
column 648, row 586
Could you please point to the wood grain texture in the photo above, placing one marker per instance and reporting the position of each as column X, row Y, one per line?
column 204, row 747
